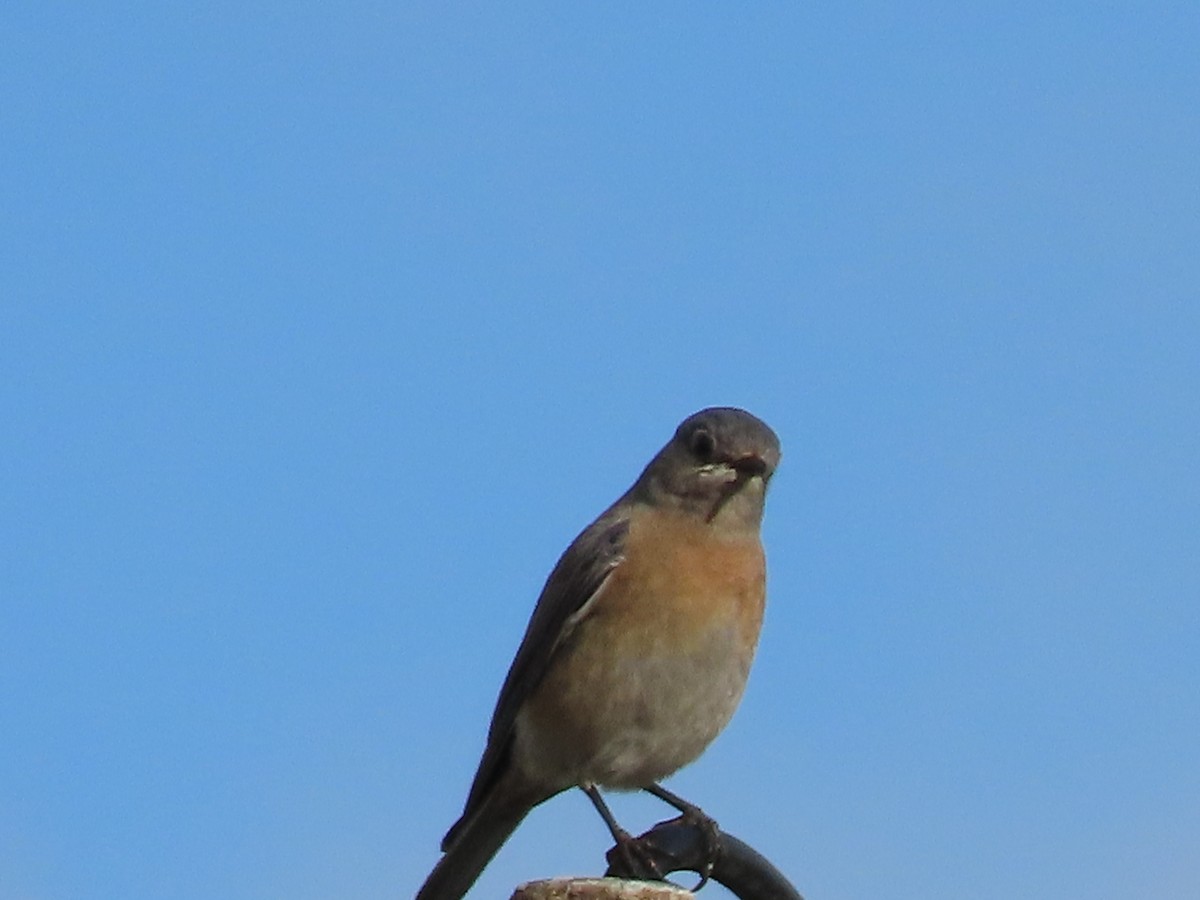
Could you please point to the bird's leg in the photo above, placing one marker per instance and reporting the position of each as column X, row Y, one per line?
column 636, row 860
column 695, row 816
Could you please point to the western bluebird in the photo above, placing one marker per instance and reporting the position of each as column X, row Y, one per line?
column 639, row 647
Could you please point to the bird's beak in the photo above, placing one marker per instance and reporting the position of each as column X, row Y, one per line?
column 750, row 464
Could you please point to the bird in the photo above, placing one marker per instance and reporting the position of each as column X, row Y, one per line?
column 639, row 647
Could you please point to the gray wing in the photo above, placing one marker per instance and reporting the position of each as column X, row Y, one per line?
column 579, row 573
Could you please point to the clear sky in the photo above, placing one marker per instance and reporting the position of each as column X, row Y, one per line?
column 325, row 327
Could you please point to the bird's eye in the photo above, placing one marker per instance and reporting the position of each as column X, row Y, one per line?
column 701, row 444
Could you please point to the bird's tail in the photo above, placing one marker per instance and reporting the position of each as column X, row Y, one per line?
column 472, row 843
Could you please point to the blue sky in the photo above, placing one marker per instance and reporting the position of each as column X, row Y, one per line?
column 324, row 328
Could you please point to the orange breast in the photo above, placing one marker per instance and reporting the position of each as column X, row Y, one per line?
column 681, row 577
column 656, row 666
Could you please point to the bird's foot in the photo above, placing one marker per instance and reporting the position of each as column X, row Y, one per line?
column 629, row 858
column 693, row 816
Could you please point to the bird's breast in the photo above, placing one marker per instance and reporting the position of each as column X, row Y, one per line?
column 656, row 667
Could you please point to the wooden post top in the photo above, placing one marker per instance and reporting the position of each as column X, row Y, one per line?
column 599, row 889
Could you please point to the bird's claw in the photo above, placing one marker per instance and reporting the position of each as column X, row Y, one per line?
column 630, row 858
column 707, row 825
